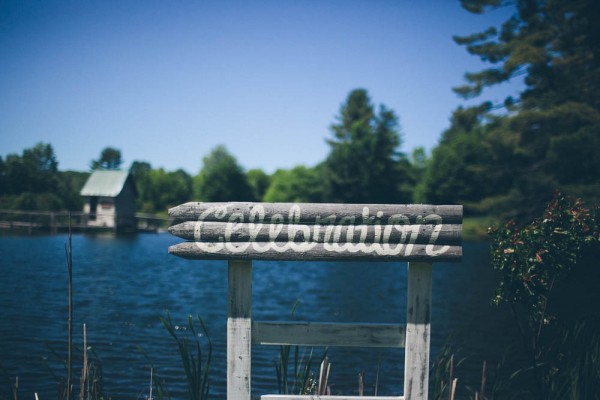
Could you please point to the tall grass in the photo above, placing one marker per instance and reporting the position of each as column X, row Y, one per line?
column 13, row 387
column 69, row 259
column 569, row 370
column 158, row 387
column 570, row 367
column 301, row 380
column 195, row 368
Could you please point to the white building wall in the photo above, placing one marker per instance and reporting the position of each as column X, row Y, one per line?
column 105, row 212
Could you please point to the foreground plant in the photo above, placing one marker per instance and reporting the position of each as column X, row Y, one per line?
column 302, row 379
column 196, row 370
column 532, row 260
column 91, row 379
column 13, row 387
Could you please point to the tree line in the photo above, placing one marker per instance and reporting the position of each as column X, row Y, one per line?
column 364, row 165
column 548, row 137
column 497, row 159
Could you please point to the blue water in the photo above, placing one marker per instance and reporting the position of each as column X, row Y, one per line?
column 123, row 285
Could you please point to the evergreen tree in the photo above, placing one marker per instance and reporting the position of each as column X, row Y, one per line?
column 110, row 159
column 547, row 139
column 363, row 164
column 555, row 44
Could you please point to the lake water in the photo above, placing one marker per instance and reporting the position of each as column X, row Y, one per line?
column 124, row 284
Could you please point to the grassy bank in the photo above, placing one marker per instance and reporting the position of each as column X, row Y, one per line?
column 476, row 228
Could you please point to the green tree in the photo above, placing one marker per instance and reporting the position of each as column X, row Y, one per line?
column 157, row 189
column 555, row 44
column 34, row 171
column 3, row 183
column 31, row 180
column 547, row 138
column 110, row 159
column 221, row 178
column 419, row 160
column 139, row 168
column 259, row 181
column 363, row 164
column 297, row 185
column 462, row 168
column 167, row 189
column 140, row 171
column 70, row 185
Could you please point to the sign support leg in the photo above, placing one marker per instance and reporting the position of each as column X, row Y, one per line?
column 239, row 330
column 418, row 324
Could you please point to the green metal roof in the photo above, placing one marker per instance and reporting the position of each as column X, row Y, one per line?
column 105, row 183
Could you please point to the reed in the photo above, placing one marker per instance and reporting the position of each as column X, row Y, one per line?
column 570, row 366
column 195, row 368
column 569, row 370
column 302, row 380
column 323, row 387
column 13, row 387
column 158, row 387
column 69, row 259
column 445, row 372
column 443, row 382
column 91, row 382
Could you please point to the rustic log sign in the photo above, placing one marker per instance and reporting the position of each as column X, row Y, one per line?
column 242, row 232
column 318, row 232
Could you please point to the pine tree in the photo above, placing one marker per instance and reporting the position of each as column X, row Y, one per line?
column 364, row 163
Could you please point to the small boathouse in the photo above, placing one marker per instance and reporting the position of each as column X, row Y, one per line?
column 110, row 200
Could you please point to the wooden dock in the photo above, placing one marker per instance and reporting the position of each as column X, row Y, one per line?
column 58, row 221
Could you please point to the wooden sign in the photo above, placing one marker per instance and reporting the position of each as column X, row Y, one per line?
column 296, row 231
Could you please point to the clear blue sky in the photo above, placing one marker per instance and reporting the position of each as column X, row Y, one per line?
column 167, row 81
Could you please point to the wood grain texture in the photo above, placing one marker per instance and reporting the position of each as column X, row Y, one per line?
column 418, row 331
column 318, row 232
column 310, row 213
column 284, row 252
column 315, row 397
column 245, row 232
column 239, row 330
column 328, row 334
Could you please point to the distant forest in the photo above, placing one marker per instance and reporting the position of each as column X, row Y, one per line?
column 504, row 160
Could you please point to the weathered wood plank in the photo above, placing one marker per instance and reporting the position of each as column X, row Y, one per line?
column 290, row 251
column 245, row 232
column 239, row 330
column 315, row 397
column 311, row 213
column 328, row 334
column 418, row 320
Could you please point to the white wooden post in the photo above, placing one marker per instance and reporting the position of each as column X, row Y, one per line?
column 418, row 323
column 239, row 330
